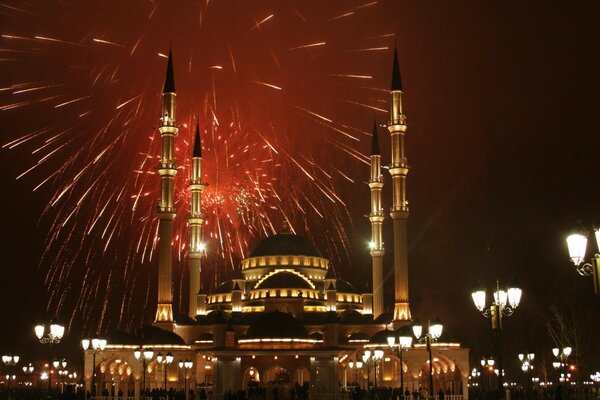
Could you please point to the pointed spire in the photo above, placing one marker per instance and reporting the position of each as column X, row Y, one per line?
column 170, row 78
column 197, row 144
column 375, row 141
column 396, row 80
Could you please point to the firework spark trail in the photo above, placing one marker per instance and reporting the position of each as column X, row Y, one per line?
column 97, row 148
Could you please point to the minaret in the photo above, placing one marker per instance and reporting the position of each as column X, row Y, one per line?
column 399, row 211
column 376, row 218
column 166, row 210
column 195, row 222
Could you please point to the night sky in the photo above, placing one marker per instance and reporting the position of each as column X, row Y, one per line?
column 502, row 139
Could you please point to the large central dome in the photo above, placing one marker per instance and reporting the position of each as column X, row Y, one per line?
column 286, row 244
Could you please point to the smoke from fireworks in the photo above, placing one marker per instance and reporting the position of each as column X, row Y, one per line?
column 266, row 84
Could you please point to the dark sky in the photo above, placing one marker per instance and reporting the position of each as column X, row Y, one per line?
column 502, row 138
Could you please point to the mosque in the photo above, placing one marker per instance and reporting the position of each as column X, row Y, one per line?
column 285, row 319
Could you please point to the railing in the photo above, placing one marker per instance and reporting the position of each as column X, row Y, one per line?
column 126, row 398
column 345, row 395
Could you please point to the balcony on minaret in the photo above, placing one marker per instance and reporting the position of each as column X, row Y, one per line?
column 167, row 165
column 168, row 210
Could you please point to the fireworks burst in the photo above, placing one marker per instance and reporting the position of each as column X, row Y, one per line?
column 266, row 83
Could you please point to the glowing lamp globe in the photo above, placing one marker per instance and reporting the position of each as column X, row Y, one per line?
column 39, row 331
column 435, row 329
column 479, row 299
column 417, row 329
column 405, row 341
column 501, row 297
column 391, row 340
column 576, row 243
column 514, row 296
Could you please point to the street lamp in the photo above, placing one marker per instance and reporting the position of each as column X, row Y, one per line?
column 404, row 343
column 488, row 363
column 10, row 361
column 366, row 358
column 577, row 244
column 185, row 365
column 165, row 361
column 358, row 365
column 143, row 355
column 527, row 367
column 434, row 331
column 59, row 366
column 562, row 354
column 377, row 356
column 51, row 335
column 504, row 304
column 97, row 345
column 28, row 369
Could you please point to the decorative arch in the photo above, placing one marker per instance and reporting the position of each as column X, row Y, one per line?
column 279, row 270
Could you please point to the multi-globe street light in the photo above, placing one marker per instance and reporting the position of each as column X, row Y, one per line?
column 372, row 357
column 366, row 356
column 562, row 356
column 504, row 304
column 404, row 343
column 185, row 365
column 527, row 366
column 165, row 361
column 434, row 331
column 95, row 345
column 49, row 334
column 10, row 361
column 488, row 363
column 143, row 356
column 577, row 243
column 59, row 366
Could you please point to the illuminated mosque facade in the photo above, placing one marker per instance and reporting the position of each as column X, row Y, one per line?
column 285, row 318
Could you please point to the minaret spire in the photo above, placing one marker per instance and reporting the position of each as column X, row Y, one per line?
column 195, row 223
column 170, row 77
column 166, row 210
column 399, row 211
column 376, row 217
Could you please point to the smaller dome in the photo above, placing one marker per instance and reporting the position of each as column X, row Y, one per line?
column 285, row 244
column 120, row 337
column 343, row 286
column 381, row 337
column 154, row 335
column 276, row 325
column 284, row 280
column 225, row 287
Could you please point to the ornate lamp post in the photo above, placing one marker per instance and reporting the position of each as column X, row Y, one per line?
column 185, row 365
column 10, row 361
column 577, row 244
column 504, row 304
column 434, row 331
column 50, row 335
column 59, row 366
column 527, row 367
column 377, row 356
column 358, row 365
column 366, row 358
column 165, row 361
column 143, row 356
column 404, row 343
column 488, row 363
column 97, row 345
column 562, row 354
